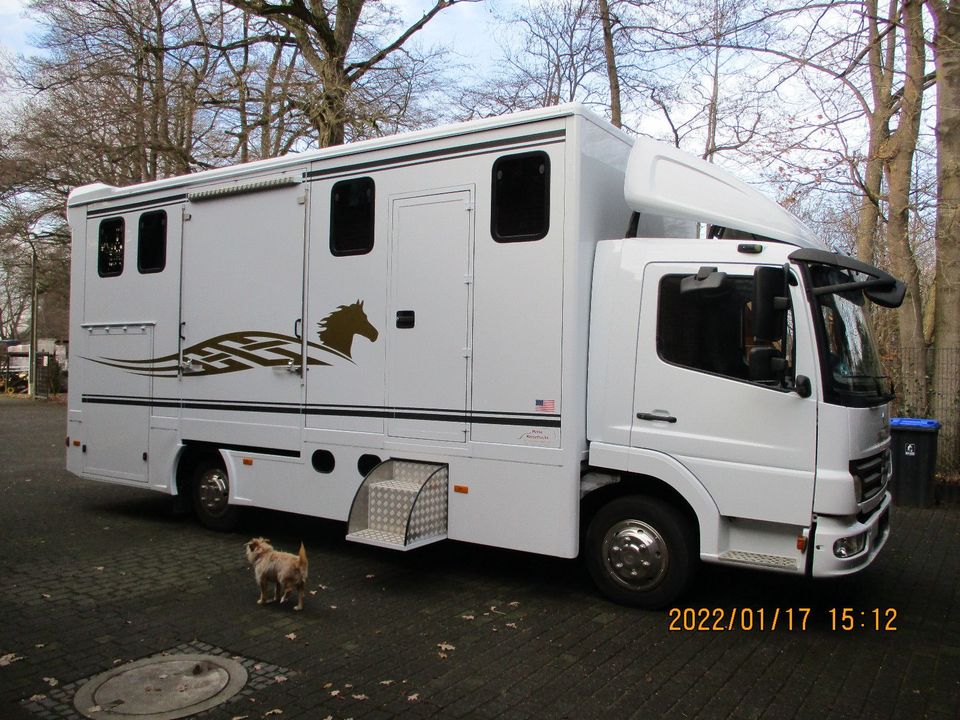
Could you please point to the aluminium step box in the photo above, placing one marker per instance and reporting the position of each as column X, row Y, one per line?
column 401, row 504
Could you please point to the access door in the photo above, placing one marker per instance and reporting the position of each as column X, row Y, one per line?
column 242, row 308
column 752, row 445
column 428, row 329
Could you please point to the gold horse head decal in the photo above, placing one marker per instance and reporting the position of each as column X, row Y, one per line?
column 338, row 329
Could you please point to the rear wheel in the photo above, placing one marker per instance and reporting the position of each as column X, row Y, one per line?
column 211, row 496
column 641, row 552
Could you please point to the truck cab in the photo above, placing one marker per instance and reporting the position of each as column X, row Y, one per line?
column 737, row 408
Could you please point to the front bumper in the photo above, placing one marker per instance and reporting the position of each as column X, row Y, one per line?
column 830, row 529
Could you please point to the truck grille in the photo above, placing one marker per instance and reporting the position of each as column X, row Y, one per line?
column 873, row 473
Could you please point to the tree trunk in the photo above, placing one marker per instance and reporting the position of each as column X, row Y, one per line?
column 899, row 170
column 946, row 388
column 611, row 58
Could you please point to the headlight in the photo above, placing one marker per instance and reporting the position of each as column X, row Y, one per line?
column 850, row 546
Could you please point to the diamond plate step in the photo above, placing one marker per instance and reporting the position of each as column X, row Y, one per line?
column 401, row 504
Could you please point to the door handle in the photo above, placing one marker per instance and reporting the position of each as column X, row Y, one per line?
column 656, row 418
column 406, row 319
column 296, row 328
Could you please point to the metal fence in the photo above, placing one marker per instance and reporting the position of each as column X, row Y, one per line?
column 943, row 400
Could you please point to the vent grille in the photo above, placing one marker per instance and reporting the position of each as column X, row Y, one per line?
column 872, row 473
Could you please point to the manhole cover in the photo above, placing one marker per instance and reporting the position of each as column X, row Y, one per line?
column 161, row 688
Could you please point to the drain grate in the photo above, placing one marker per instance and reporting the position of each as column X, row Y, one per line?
column 177, row 683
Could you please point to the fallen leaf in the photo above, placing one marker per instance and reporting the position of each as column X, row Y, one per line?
column 414, row 697
column 333, row 607
column 445, row 646
column 94, row 709
column 239, row 717
column 514, row 604
column 370, row 577
column 387, row 682
column 275, row 711
column 334, row 693
column 291, row 636
column 51, row 681
column 37, row 698
column 360, row 696
column 327, row 686
column 9, row 658
column 468, row 617
column 45, row 596
column 512, row 625
column 313, row 592
column 99, row 568
column 442, row 656
column 280, row 678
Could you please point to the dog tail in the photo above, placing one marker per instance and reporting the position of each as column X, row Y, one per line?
column 302, row 555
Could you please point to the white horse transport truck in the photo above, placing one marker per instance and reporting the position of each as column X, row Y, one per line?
column 504, row 332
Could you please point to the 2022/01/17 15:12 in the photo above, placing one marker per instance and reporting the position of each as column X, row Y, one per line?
column 771, row 619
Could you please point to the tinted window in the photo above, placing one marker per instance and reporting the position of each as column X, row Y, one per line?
column 351, row 217
column 712, row 333
column 110, row 248
column 521, row 197
column 152, row 242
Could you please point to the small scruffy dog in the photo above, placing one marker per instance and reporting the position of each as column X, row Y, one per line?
column 285, row 571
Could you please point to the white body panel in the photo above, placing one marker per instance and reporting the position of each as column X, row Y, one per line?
column 517, row 364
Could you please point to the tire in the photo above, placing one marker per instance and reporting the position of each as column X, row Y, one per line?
column 210, row 490
column 641, row 552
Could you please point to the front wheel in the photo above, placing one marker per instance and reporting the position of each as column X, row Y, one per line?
column 211, row 496
column 641, row 552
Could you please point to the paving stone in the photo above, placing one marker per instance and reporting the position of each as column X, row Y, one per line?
column 98, row 574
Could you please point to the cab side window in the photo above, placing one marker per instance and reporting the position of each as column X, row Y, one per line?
column 711, row 332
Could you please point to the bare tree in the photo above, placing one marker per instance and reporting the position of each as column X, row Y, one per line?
column 343, row 44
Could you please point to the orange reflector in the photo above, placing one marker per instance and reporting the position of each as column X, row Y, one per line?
column 248, row 461
column 801, row 543
column 76, row 443
column 461, row 489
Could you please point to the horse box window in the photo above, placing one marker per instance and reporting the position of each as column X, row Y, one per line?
column 351, row 217
column 521, row 197
column 152, row 242
column 110, row 248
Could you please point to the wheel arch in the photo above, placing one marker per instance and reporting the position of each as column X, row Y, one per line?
column 659, row 476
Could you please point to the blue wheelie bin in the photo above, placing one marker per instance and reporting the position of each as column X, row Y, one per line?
column 913, row 443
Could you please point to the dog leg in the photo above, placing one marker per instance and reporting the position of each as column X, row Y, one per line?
column 300, row 589
column 264, row 585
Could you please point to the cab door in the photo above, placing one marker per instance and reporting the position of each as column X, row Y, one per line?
column 752, row 445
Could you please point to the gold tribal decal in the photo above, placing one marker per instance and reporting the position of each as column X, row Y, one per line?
column 234, row 352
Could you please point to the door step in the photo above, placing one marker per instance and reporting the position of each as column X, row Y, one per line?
column 750, row 558
column 401, row 504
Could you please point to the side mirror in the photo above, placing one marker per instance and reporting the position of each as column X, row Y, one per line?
column 770, row 303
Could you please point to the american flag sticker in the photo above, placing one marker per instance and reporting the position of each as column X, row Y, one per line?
column 546, row 406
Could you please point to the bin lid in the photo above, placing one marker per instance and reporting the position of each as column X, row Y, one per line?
column 915, row 423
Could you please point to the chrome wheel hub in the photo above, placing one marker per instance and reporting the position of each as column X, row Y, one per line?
column 213, row 491
column 635, row 555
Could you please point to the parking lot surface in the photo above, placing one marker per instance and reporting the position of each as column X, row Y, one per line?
column 95, row 576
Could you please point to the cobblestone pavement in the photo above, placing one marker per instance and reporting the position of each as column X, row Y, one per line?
column 94, row 575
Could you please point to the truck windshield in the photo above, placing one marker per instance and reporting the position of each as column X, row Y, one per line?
column 853, row 374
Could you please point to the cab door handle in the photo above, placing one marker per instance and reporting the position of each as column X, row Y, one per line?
column 656, row 418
